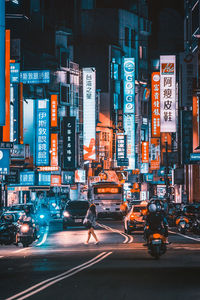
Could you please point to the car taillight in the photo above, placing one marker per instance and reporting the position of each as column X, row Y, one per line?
column 132, row 217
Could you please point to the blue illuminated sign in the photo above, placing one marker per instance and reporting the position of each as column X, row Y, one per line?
column 129, row 85
column 4, row 161
column 27, row 178
column 144, row 168
column 42, row 132
column 2, row 62
column 195, row 156
column 44, row 178
column 14, row 72
column 35, row 77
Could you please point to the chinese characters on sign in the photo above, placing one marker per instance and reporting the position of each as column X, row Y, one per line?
column 14, row 72
column 54, row 149
column 168, row 93
column 44, row 178
column 35, row 77
column 89, row 113
column 155, row 154
column 55, row 180
column 54, row 103
column 27, row 178
column 155, row 86
column 69, row 133
column 121, row 155
column 4, row 161
column 68, row 177
column 129, row 109
column 42, row 132
column 145, row 152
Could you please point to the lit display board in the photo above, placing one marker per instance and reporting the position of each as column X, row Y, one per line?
column 121, row 150
column 155, row 104
column 27, row 178
column 54, row 149
column 129, row 85
column 4, row 161
column 89, row 113
column 129, row 108
column 44, row 178
column 14, row 72
column 168, row 93
column 35, row 77
column 42, row 132
column 69, row 142
column 80, row 176
column 145, row 152
column 2, row 62
column 155, row 154
column 54, row 109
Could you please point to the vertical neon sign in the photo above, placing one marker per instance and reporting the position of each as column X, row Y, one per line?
column 2, row 62
column 129, row 108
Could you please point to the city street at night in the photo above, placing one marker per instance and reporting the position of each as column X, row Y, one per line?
column 119, row 267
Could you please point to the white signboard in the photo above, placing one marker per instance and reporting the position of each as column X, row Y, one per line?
column 89, row 113
column 168, row 93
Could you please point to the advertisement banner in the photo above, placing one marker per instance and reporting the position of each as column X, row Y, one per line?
column 144, row 168
column 54, row 149
column 168, row 93
column 89, row 113
column 42, row 132
column 6, row 104
column 27, row 178
column 155, row 104
column 18, row 152
column 80, row 176
column 4, row 161
column 129, row 85
column 155, row 154
column 14, row 72
column 68, row 177
column 121, row 150
column 129, row 127
column 145, row 152
column 35, row 77
column 44, row 178
column 69, row 142
column 195, row 122
column 54, row 110
column 55, row 180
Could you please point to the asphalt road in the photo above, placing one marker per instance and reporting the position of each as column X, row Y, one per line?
column 60, row 266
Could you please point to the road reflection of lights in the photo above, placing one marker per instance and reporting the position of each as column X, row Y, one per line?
column 44, row 237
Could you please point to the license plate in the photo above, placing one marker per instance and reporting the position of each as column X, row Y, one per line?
column 78, row 220
column 156, row 242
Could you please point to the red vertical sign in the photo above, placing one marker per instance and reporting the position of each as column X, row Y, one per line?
column 6, row 128
column 54, row 149
column 54, row 110
column 155, row 104
column 195, row 122
column 145, row 152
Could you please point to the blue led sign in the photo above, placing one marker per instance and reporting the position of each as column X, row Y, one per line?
column 35, row 77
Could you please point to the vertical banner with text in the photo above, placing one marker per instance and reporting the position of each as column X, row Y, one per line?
column 168, row 93
column 155, row 154
column 155, row 104
column 89, row 113
column 69, row 142
column 2, row 62
column 54, row 149
column 54, row 107
column 145, row 152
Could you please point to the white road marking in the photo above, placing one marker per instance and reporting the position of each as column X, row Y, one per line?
column 44, row 237
column 116, row 231
column 48, row 282
column 186, row 236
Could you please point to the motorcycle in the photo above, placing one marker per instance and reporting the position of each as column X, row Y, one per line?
column 8, row 232
column 27, row 233
column 157, row 245
column 182, row 224
column 195, row 226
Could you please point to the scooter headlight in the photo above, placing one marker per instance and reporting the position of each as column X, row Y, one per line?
column 66, row 214
column 41, row 216
column 25, row 228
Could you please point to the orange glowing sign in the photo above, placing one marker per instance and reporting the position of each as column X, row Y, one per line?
column 155, row 154
column 195, row 123
column 47, row 168
column 145, row 152
column 6, row 128
column 107, row 190
column 155, row 87
column 55, row 180
column 54, row 149
column 54, row 110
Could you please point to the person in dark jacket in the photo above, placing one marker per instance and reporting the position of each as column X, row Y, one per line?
column 90, row 221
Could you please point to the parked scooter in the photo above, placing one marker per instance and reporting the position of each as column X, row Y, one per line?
column 182, row 224
column 195, row 226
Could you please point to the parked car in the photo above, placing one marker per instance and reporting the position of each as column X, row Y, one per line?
column 74, row 213
column 135, row 220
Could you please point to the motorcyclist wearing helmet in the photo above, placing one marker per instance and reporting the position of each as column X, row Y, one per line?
column 156, row 220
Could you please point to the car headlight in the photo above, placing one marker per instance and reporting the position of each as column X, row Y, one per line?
column 25, row 228
column 66, row 214
column 41, row 216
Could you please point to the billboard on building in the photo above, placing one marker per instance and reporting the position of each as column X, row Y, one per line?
column 4, row 161
column 6, row 104
column 2, row 62
column 129, row 108
column 129, row 85
column 27, row 178
column 89, row 113
column 54, row 110
column 35, row 77
column 155, row 154
column 55, row 180
column 155, row 104
column 42, row 132
column 69, row 142
column 54, row 149
column 68, row 177
column 80, row 176
column 121, row 150
column 145, row 152
column 44, row 178
column 14, row 72
column 195, row 122
column 168, row 93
